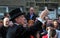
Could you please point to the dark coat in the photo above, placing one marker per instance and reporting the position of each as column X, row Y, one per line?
column 4, row 31
column 1, row 31
column 33, row 18
column 17, row 31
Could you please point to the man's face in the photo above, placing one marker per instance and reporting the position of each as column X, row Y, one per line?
column 21, row 19
column 31, row 10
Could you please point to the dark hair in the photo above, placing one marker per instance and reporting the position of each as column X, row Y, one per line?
column 45, row 17
column 5, row 14
column 52, row 32
column 13, row 21
column 49, row 25
column 56, row 21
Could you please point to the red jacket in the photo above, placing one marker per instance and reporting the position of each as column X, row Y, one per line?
column 45, row 36
column 31, row 36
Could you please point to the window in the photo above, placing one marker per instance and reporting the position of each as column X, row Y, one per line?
column 14, row 7
column 59, row 10
column 27, row 9
column 27, row 4
column 30, row 4
column 3, row 9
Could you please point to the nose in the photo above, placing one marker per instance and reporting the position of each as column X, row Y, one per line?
column 25, row 19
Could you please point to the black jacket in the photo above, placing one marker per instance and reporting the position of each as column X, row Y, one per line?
column 33, row 18
column 17, row 31
column 1, row 31
column 4, row 31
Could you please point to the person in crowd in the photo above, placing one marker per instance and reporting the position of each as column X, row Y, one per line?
column 6, row 15
column 6, row 22
column 53, row 33
column 59, row 22
column 1, row 26
column 58, row 19
column 43, row 32
column 56, row 26
column 50, row 21
column 30, row 23
column 47, row 18
column 48, row 29
column 31, row 15
column 44, row 26
column 1, row 23
column 5, row 26
column 18, row 31
column 10, row 23
column 38, row 35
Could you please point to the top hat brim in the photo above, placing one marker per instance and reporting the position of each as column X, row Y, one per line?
column 17, row 16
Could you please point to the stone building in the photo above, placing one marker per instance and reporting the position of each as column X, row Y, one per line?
column 39, row 5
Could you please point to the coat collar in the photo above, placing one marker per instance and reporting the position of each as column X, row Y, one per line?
column 16, row 23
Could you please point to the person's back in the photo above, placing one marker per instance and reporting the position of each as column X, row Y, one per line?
column 15, row 31
column 5, row 30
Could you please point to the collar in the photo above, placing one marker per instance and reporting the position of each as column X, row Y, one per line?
column 16, row 23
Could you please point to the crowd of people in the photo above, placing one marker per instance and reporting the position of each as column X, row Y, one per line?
column 17, row 24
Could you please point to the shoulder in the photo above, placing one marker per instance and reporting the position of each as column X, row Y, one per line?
column 12, row 29
column 38, row 22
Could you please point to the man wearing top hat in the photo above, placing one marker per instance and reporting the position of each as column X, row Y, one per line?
column 18, row 18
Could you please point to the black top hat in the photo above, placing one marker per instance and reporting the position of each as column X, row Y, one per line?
column 15, row 13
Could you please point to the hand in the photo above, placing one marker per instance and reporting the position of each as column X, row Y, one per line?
column 44, row 13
